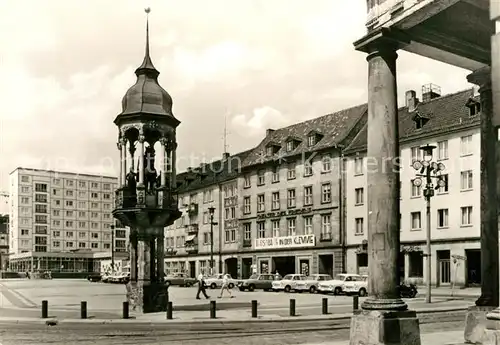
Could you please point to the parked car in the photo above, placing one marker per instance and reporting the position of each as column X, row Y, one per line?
column 180, row 279
column 105, row 277
column 216, row 281
column 357, row 286
column 94, row 277
column 408, row 291
column 311, row 283
column 257, row 281
column 335, row 285
column 288, row 282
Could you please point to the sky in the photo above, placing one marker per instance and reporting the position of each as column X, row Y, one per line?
column 252, row 64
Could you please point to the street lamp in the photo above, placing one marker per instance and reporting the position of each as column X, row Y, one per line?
column 211, row 210
column 112, row 249
column 428, row 169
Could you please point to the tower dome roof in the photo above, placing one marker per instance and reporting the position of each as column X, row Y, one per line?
column 146, row 95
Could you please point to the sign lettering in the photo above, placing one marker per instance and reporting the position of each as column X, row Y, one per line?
column 292, row 212
column 285, row 242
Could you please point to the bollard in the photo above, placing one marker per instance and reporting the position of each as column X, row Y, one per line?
column 125, row 310
column 83, row 310
column 169, row 310
column 254, row 308
column 325, row 306
column 45, row 309
column 212, row 310
column 292, row 307
column 355, row 302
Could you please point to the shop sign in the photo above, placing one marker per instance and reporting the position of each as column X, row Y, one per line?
column 286, row 242
column 285, row 213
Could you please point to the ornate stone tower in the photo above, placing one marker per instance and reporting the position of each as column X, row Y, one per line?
column 145, row 199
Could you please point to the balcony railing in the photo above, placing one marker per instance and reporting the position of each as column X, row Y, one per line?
column 191, row 248
column 192, row 228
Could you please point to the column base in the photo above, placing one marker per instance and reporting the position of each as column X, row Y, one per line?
column 393, row 304
column 378, row 327
column 475, row 323
column 147, row 297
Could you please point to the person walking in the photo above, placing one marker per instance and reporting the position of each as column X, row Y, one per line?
column 225, row 286
column 201, row 287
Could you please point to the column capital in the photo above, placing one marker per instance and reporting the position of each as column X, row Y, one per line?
column 382, row 42
column 481, row 78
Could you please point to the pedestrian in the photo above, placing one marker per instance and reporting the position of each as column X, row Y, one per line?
column 201, row 287
column 225, row 285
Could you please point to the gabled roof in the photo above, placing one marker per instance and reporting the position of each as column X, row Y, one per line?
column 447, row 113
column 272, row 143
column 336, row 129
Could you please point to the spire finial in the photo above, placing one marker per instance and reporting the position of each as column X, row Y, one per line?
column 147, row 65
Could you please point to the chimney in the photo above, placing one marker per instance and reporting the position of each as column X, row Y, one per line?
column 430, row 91
column 189, row 170
column 411, row 100
column 225, row 155
column 269, row 131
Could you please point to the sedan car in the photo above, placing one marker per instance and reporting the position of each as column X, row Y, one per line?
column 180, row 279
column 311, row 283
column 288, row 283
column 357, row 286
column 216, row 281
column 257, row 281
column 335, row 285
column 94, row 277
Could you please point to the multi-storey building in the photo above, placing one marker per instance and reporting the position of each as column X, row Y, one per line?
column 4, row 242
column 210, row 187
column 59, row 220
column 451, row 124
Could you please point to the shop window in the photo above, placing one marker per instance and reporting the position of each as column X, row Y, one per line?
column 416, row 261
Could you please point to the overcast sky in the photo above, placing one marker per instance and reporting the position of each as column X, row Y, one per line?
column 65, row 66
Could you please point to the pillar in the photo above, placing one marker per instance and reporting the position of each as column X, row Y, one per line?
column 163, row 161
column 123, row 161
column 383, row 182
column 160, row 256
column 152, row 259
column 173, row 163
column 133, row 255
column 383, row 309
column 141, row 159
column 143, row 260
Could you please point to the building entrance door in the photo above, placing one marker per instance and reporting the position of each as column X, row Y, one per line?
column 192, row 269
column 444, row 267
column 304, row 267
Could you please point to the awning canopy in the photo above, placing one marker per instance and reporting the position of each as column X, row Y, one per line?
column 190, row 238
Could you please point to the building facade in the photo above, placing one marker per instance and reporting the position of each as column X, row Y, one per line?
column 53, row 213
column 451, row 123
column 4, row 242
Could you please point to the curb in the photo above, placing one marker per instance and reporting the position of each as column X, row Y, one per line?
column 218, row 321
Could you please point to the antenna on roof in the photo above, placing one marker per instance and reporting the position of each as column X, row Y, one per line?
column 225, row 134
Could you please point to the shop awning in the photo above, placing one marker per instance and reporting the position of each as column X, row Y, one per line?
column 190, row 238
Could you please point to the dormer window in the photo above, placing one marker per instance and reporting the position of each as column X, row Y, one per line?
column 420, row 120
column 292, row 143
column 474, row 107
column 311, row 140
column 269, row 151
column 290, row 146
column 272, row 148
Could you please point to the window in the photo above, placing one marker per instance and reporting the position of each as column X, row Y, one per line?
column 69, row 203
column 95, row 185
column 308, row 225
column 95, row 235
column 466, row 180
column 291, row 227
column 82, row 214
column 276, row 175
column 40, row 219
column 276, row 227
column 416, row 191
column 311, row 140
column 443, row 150
column 326, row 193
column 275, row 201
column 56, row 244
column 444, row 189
column 25, row 179
column 69, row 233
column 206, row 238
column 290, row 145
column 25, row 189
column 106, row 196
column 58, row 202
column 41, row 187
column 416, row 154
column 261, row 177
column 82, row 224
column 327, row 163
column 261, row 230
column 70, row 183
column 308, row 195
column 82, row 184
column 246, row 205
column 291, row 171
column 41, row 197
column 81, row 245
column 326, row 224
column 360, row 197
column 25, row 232
column 416, row 221
column 25, row 200
column 247, row 182
column 247, row 231
column 94, row 215
column 69, row 223
column 94, row 245
column 94, row 205
column 358, row 165
column 416, row 261
column 227, row 236
column 205, row 217
column 269, row 150
column 40, row 208
column 94, row 195
column 82, row 194
column 69, row 193
column 442, row 218
column 466, row 215
column 261, row 205
column 308, row 169
column 56, row 233
column 290, row 201
column 466, row 145
column 360, row 230
column 69, row 213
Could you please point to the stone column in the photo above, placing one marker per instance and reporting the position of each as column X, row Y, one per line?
column 163, row 161
column 141, row 160
column 383, row 181
column 152, row 259
column 143, row 260
column 121, row 180
column 173, row 163
column 160, row 256
column 133, row 254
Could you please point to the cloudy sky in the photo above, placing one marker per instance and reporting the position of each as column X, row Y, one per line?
column 65, row 66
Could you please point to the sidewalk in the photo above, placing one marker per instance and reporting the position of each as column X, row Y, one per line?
column 437, row 338
column 448, row 292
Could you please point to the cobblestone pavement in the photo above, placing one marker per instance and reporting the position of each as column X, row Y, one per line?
column 119, row 334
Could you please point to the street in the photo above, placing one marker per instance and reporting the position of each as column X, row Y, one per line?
column 118, row 334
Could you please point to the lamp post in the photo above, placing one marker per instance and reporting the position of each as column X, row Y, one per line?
column 112, row 249
column 211, row 210
column 428, row 170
